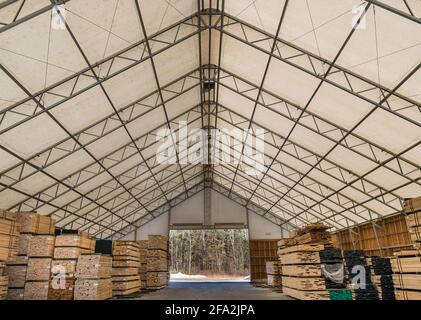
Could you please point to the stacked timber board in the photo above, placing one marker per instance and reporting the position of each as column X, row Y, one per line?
column 143, row 268
column 412, row 208
column 9, row 237
column 93, row 277
column 274, row 274
column 381, row 274
column 157, row 275
column 125, row 272
column 359, row 276
column 304, row 270
column 40, row 256
column 36, row 240
column 406, row 266
column 68, row 248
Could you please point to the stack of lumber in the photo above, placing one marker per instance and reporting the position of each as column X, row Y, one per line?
column 312, row 233
column 9, row 237
column 302, row 276
column 143, row 269
column 126, row 263
column 157, row 262
column 93, row 277
column 68, row 247
column 359, row 275
column 406, row 266
column 40, row 255
column 274, row 273
column 412, row 208
column 381, row 274
column 36, row 240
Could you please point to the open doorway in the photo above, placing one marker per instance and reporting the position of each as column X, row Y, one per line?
column 210, row 255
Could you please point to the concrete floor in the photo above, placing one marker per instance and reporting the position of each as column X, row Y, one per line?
column 213, row 291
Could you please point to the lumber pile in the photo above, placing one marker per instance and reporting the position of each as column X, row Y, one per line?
column 40, row 256
column 381, row 274
column 359, row 275
column 125, row 272
column 34, row 253
column 312, row 233
column 68, row 247
column 412, row 208
column 157, row 262
column 93, row 277
column 311, row 267
column 143, row 268
column 274, row 274
column 9, row 239
column 406, row 266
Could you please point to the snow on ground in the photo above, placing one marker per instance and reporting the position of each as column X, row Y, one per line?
column 181, row 277
column 178, row 276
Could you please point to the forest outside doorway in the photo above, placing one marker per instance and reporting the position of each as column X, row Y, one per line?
column 210, row 255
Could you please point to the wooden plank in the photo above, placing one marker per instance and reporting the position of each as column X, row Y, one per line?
column 302, row 248
column 61, row 253
column 61, row 290
column 35, row 223
column 309, row 270
column 414, row 219
column 124, row 271
column 407, row 281
column 407, row 295
column 156, row 279
column 23, row 243
column 17, row 276
column 39, row 269
column 411, row 205
column 305, row 295
column 68, row 266
column 406, row 264
column 15, row 294
column 41, row 246
column 157, row 242
column 300, row 258
column 36, row 290
column 10, row 228
column 93, row 266
column 93, row 289
column 75, row 240
column 299, row 283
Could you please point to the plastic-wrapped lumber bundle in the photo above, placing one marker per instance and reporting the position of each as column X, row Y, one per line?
column 359, row 275
column 381, row 274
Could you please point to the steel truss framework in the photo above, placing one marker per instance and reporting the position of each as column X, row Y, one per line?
column 115, row 193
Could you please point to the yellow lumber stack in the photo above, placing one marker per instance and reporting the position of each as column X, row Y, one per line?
column 9, row 237
column 68, row 248
column 143, row 250
column 126, row 263
column 274, row 274
column 157, row 262
column 93, row 277
column 406, row 266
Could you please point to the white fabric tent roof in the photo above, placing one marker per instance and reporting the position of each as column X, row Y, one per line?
column 336, row 85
